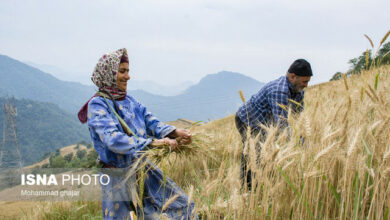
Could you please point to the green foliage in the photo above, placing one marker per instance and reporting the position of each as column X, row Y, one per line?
column 83, row 159
column 68, row 157
column 42, row 128
column 90, row 160
column 337, row 76
column 358, row 64
column 75, row 163
column 384, row 54
column 365, row 61
column 81, row 153
column 92, row 155
column 57, row 162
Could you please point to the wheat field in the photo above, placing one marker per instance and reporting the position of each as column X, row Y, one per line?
column 332, row 163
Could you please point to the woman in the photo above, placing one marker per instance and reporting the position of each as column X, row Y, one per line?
column 121, row 129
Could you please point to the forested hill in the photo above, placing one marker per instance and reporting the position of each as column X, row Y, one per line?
column 43, row 127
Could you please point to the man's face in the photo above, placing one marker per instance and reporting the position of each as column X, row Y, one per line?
column 122, row 76
column 299, row 82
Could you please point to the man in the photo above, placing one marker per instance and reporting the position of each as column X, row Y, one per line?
column 269, row 106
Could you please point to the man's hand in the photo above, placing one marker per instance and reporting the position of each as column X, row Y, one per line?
column 184, row 136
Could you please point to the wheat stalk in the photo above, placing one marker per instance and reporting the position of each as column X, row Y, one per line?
column 169, row 202
column 324, row 152
column 384, row 38
column 158, row 154
column 369, row 39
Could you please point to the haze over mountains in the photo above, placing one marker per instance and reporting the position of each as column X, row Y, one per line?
column 215, row 96
column 23, row 81
column 148, row 86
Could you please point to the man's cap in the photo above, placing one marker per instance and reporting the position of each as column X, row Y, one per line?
column 300, row 67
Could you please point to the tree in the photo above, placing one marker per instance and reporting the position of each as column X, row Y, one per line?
column 365, row 61
column 81, row 153
column 336, row 76
column 57, row 152
column 68, row 157
column 384, row 54
column 57, row 162
column 360, row 63
column 75, row 163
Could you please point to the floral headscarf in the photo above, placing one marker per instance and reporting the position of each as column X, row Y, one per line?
column 104, row 77
column 104, row 74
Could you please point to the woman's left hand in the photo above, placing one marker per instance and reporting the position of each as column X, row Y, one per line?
column 184, row 136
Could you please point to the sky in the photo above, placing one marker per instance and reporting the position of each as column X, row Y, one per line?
column 172, row 41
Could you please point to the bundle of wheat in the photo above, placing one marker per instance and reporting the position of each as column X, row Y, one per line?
column 157, row 154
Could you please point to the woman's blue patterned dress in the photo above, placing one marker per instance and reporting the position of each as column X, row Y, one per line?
column 117, row 149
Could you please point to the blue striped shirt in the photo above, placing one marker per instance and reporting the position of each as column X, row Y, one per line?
column 265, row 106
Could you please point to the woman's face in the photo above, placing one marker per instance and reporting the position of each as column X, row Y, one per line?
column 123, row 76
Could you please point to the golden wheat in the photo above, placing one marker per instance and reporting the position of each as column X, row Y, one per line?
column 333, row 162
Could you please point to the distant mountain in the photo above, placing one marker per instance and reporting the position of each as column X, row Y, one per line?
column 157, row 89
column 23, row 81
column 53, row 70
column 215, row 96
column 148, row 86
column 43, row 127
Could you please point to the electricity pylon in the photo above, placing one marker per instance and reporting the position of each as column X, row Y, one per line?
column 11, row 165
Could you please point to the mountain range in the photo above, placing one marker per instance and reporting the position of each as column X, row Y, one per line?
column 23, row 81
column 215, row 96
column 148, row 86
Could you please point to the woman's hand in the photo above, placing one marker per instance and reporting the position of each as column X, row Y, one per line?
column 172, row 143
column 184, row 136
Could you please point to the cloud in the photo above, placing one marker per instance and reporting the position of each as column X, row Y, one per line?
column 185, row 40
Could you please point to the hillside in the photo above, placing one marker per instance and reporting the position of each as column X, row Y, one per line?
column 334, row 163
column 215, row 96
column 43, row 127
column 339, row 171
column 23, row 81
column 62, row 151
